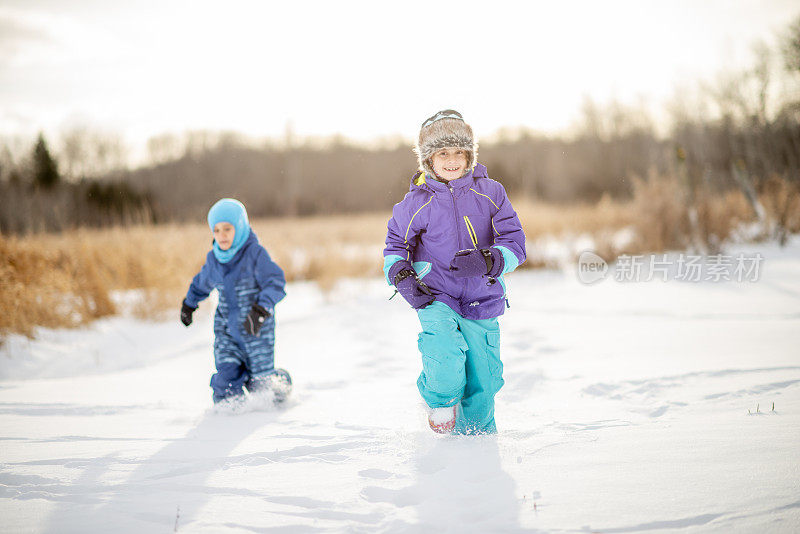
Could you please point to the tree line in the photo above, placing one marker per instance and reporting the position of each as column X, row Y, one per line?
column 35, row 197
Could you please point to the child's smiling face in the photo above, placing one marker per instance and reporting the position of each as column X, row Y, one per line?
column 449, row 163
column 223, row 234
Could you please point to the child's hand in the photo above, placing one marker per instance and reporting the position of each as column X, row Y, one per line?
column 255, row 319
column 414, row 290
column 474, row 262
column 186, row 313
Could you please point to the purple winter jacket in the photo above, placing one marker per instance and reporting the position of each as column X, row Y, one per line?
column 435, row 220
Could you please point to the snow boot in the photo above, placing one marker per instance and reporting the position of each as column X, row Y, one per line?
column 279, row 382
column 442, row 420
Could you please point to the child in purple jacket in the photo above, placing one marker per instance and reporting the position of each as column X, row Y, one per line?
column 449, row 243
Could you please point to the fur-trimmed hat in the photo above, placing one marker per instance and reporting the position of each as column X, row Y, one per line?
column 445, row 129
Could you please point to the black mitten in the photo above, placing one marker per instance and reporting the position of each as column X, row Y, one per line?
column 255, row 319
column 186, row 313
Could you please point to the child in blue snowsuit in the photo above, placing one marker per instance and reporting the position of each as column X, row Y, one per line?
column 448, row 245
column 249, row 284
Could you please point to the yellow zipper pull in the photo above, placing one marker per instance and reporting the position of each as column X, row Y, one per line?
column 471, row 231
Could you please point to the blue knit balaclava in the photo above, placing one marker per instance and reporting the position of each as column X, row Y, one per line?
column 231, row 211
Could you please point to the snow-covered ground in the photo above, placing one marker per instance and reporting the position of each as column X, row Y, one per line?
column 628, row 407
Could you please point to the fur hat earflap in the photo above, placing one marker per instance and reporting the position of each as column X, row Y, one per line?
column 446, row 129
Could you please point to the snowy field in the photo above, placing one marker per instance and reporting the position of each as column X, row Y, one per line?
column 628, row 407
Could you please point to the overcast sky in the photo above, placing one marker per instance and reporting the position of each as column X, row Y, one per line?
column 362, row 69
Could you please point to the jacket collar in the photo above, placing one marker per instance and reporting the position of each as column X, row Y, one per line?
column 423, row 181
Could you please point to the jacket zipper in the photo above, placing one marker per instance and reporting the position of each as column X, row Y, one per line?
column 455, row 214
column 458, row 235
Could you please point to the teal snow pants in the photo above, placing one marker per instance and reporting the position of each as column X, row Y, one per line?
column 460, row 366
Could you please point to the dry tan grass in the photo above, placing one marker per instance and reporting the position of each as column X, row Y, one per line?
column 662, row 217
column 659, row 215
column 66, row 279
column 781, row 200
column 543, row 219
column 325, row 249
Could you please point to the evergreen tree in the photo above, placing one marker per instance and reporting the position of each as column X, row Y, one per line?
column 45, row 170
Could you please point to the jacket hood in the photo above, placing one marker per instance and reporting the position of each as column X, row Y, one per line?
column 231, row 211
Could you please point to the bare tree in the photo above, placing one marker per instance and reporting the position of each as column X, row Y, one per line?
column 75, row 152
column 790, row 47
column 163, row 148
column 87, row 153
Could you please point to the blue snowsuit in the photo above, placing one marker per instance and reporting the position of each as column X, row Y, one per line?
column 460, row 338
column 248, row 277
